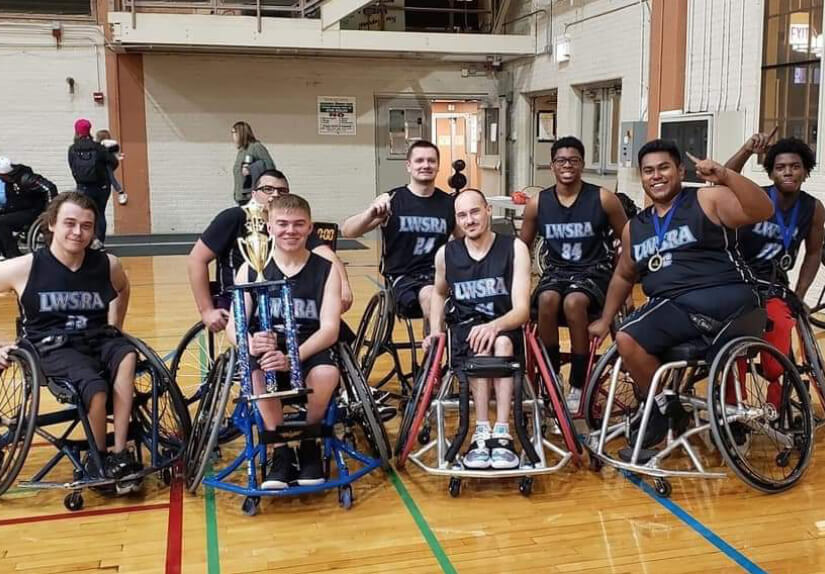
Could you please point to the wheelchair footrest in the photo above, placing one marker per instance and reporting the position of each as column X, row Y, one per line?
column 293, row 431
column 490, row 367
column 292, row 396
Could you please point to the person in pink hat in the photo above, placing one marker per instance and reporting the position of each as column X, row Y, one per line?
column 91, row 163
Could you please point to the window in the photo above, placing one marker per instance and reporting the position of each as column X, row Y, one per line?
column 47, row 7
column 791, row 68
column 599, row 125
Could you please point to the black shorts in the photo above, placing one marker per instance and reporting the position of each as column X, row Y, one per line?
column 460, row 347
column 90, row 365
column 592, row 282
column 661, row 324
column 325, row 357
column 405, row 289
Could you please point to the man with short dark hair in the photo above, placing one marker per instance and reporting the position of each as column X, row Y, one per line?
column 23, row 197
column 220, row 242
column 575, row 219
column 683, row 249
column 416, row 220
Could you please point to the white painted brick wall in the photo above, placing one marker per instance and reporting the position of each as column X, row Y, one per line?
column 192, row 102
column 723, row 72
column 607, row 47
column 37, row 112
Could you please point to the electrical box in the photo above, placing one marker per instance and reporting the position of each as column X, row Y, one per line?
column 717, row 135
column 634, row 136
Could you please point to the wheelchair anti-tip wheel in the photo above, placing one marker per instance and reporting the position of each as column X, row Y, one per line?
column 361, row 407
column 209, row 419
column 19, row 400
column 763, row 428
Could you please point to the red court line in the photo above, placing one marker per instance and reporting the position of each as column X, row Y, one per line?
column 174, row 529
column 84, row 513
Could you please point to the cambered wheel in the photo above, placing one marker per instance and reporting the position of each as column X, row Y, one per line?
column 373, row 332
column 625, row 403
column 362, row 407
column 20, row 384
column 764, row 429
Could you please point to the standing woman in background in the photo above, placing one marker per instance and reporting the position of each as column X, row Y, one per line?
column 90, row 163
column 250, row 150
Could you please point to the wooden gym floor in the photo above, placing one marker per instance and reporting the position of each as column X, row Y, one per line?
column 575, row 520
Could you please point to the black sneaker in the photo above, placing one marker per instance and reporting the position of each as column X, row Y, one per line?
column 91, row 469
column 312, row 469
column 118, row 464
column 656, row 431
column 282, row 470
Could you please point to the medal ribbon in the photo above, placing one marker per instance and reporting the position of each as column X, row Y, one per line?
column 786, row 231
column 661, row 229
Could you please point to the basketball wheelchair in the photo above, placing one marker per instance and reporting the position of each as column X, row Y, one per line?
column 716, row 396
column 352, row 418
column 158, row 430
column 442, row 389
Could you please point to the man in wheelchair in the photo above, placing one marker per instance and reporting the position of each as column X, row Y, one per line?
column 487, row 277
column 683, row 249
column 23, row 197
column 770, row 247
column 575, row 219
column 219, row 242
column 70, row 297
column 316, row 291
column 416, row 220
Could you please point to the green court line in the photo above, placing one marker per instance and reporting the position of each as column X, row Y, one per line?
column 426, row 531
column 212, row 550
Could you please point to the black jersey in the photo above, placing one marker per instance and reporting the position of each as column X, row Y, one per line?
column 416, row 229
column 761, row 244
column 578, row 236
column 57, row 300
column 480, row 289
column 221, row 237
column 307, row 294
column 696, row 253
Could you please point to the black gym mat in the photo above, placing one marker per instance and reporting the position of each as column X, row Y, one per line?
column 176, row 244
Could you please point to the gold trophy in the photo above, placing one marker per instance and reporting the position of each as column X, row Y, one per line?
column 256, row 246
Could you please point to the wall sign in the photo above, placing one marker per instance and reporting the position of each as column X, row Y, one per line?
column 336, row 116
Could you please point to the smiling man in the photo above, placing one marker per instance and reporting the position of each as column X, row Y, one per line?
column 683, row 249
column 416, row 220
column 575, row 219
column 487, row 277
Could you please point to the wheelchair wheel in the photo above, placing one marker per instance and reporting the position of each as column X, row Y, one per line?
column 35, row 239
column 409, row 409
column 159, row 408
column 373, row 331
column 625, row 403
column 194, row 358
column 538, row 256
column 208, row 421
column 362, row 407
column 763, row 429
column 20, row 383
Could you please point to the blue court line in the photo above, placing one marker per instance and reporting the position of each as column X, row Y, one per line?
column 697, row 526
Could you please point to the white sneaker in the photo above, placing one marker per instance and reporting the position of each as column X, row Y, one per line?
column 478, row 457
column 122, row 198
column 574, row 399
column 502, row 451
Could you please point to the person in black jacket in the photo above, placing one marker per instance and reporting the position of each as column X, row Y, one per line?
column 23, row 197
column 90, row 163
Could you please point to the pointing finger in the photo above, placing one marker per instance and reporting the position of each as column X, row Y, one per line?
column 692, row 157
column 773, row 133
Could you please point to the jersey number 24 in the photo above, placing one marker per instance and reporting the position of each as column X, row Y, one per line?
column 423, row 245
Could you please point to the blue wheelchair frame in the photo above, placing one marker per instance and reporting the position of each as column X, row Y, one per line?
column 246, row 415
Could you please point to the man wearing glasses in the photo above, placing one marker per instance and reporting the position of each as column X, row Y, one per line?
column 220, row 242
column 575, row 220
